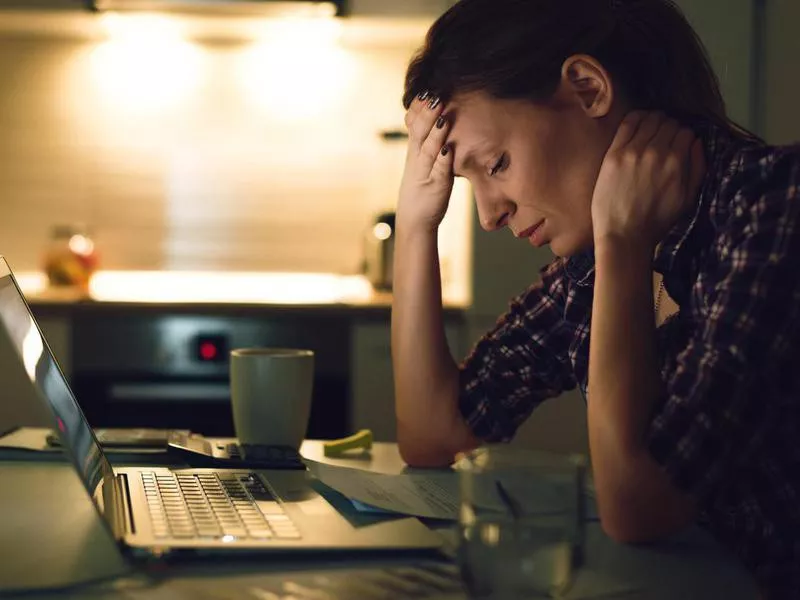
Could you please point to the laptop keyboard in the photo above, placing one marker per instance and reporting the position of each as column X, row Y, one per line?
column 214, row 505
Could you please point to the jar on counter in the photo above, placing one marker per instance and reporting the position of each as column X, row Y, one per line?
column 379, row 252
column 71, row 257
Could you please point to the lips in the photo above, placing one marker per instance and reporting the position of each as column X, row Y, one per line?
column 530, row 230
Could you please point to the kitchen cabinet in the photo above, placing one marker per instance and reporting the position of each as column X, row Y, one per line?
column 362, row 367
column 392, row 8
column 753, row 45
column 728, row 29
column 781, row 76
column 372, row 382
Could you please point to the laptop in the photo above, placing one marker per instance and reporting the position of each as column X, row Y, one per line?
column 152, row 512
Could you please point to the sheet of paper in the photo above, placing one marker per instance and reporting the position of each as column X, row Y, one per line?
column 433, row 495
column 368, row 508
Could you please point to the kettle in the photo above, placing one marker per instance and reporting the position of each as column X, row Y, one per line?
column 379, row 251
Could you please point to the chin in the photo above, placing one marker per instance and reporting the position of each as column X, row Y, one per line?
column 566, row 246
column 563, row 249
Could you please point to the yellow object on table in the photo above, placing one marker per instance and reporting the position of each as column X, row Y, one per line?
column 361, row 439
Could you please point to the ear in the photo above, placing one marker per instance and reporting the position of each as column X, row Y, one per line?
column 589, row 84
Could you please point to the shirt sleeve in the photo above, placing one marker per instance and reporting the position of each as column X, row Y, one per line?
column 731, row 381
column 520, row 362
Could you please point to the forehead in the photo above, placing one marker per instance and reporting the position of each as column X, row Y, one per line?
column 476, row 118
column 480, row 125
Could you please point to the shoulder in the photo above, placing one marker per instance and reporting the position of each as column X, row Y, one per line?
column 756, row 173
column 754, row 210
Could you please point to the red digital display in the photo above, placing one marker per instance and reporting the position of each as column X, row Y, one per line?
column 208, row 351
column 210, row 348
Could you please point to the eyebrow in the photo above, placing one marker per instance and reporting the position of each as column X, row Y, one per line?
column 468, row 159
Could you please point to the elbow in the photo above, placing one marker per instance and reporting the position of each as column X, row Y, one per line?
column 627, row 525
column 624, row 520
column 420, row 455
column 624, row 532
column 419, row 450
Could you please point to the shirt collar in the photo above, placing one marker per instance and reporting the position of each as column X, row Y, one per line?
column 680, row 236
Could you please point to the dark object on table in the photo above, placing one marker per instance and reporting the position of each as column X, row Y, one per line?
column 198, row 451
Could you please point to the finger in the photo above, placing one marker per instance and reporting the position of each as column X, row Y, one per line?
column 682, row 144
column 626, row 130
column 443, row 165
column 416, row 106
column 666, row 134
column 430, row 152
column 420, row 125
column 412, row 114
column 697, row 169
column 647, row 131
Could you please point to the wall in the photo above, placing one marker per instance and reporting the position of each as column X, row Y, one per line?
column 782, row 73
column 726, row 28
column 205, row 144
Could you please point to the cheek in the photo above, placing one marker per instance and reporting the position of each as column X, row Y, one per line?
column 575, row 152
column 577, row 175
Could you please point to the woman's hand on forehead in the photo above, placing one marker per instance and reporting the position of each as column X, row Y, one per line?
column 428, row 177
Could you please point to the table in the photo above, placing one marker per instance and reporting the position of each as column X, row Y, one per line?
column 50, row 534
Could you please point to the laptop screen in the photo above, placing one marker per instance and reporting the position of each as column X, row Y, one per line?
column 41, row 368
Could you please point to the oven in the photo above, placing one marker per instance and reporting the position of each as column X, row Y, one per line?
column 147, row 368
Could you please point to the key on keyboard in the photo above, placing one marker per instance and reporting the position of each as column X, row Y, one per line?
column 213, row 505
column 268, row 457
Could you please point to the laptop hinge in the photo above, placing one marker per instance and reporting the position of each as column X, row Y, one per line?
column 116, row 499
column 124, row 500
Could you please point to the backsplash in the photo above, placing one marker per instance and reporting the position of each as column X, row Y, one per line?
column 253, row 150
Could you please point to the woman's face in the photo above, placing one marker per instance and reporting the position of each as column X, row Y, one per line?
column 532, row 167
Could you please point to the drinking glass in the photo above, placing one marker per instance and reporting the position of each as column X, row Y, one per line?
column 520, row 523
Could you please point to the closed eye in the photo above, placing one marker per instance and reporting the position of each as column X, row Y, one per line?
column 501, row 164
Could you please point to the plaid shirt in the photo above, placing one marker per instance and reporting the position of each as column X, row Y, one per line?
column 726, row 427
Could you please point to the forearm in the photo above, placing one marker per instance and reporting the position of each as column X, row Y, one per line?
column 623, row 367
column 425, row 374
column 635, row 498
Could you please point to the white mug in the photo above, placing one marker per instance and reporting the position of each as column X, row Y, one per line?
column 271, row 392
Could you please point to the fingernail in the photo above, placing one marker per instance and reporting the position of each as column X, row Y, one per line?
column 445, row 150
column 434, row 102
column 423, row 95
column 440, row 122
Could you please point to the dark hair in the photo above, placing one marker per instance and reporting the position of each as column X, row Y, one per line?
column 514, row 49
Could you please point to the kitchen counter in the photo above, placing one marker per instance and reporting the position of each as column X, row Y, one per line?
column 141, row 333
column 217, row 292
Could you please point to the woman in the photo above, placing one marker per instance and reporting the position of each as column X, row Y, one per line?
column 597, row 127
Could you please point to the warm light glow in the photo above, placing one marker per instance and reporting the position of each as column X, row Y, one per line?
column 490, row 534
column 141, row 28
column 32, row 349
column 31, row 283
column 81, row 245
column 201, row 287
column 382, row 231
column 146, row 64
column 298, row 70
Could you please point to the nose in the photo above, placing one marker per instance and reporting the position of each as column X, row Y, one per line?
column 493, row 213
